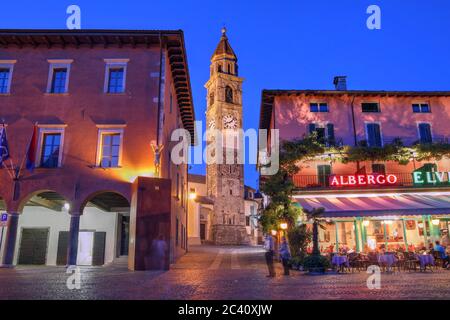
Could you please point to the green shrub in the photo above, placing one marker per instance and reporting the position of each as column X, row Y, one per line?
column 316, row 263
column 297, row 261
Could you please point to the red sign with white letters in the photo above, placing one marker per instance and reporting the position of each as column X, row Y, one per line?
column 361, row 180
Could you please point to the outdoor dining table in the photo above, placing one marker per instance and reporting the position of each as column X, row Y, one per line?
column 340, row 261
column 425, row 260
column 387, row 260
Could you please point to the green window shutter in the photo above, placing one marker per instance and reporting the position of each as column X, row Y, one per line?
column 323, row 173
column 98, row 256
column 330, row 133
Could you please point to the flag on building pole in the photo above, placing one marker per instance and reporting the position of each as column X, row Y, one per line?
column 4, row 149
column 32, row 149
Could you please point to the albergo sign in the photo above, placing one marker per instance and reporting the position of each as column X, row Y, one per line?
column 361, row 180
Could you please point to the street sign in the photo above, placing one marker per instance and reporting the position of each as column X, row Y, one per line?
column 4, row 220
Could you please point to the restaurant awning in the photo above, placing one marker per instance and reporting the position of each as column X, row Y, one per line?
column 364, row 205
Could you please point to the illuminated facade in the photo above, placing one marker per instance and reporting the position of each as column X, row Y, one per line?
column 103, row 104
column 368, row 204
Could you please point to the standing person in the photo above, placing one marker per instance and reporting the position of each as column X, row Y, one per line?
column 269, row 246
column 159, row 248
column 285, row 255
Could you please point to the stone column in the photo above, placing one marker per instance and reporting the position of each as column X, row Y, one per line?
column 72, row 249
column 11, row 236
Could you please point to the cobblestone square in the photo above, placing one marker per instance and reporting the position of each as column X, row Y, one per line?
column 216, row 273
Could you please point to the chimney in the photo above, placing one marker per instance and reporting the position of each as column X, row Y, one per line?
column 340, row 83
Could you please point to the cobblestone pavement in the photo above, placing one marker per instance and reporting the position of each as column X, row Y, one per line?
column 216, row 273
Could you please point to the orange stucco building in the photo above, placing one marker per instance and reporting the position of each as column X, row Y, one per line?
column 104, row 103
column 369, row 204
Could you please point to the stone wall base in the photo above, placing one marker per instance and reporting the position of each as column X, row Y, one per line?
column 230, row 235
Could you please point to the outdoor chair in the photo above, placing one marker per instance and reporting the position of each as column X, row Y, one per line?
column 373, row 259
column 401, row 259
column 411, row 262
column 438, row 262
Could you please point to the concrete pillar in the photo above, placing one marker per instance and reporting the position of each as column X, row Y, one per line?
column 11, row 236
column 72, row 250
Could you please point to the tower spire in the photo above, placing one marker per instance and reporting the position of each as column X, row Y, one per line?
column 224, row 49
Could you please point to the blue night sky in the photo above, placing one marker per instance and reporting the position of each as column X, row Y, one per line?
column 280, row 44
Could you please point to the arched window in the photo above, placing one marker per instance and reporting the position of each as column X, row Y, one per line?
column 211, row 98
column 219, row 68
column 228, row 94
column 229, row 68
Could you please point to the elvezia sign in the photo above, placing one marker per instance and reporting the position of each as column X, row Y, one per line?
column 420, row 177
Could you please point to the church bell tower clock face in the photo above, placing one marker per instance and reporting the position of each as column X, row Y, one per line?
column 229, row 122
column 225, row 181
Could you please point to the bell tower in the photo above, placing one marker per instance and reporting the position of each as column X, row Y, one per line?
column 225, row 180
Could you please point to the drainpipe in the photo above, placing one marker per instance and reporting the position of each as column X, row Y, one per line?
column 353, row 121
column 355, row 142
column 159, row 90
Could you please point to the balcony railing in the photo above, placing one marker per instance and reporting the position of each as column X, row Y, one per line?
column 324, row 182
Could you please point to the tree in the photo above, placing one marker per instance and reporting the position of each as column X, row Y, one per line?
column 279, row 187
column 315, row 214
column 299, row 238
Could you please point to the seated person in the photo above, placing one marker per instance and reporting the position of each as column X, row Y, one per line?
column 443, row 255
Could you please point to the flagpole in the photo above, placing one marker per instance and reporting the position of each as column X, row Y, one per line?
column 7, row 169
column 26, row 152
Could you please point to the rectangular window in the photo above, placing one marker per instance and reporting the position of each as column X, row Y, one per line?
column 110, row 150
column 178, row 185
column 58, row 76
column 59, row 80
column 370, row 107
column 325, row 135
column 5, row 74
column 421, row 108
column 109, row 146
column 318, row 107
column 425, row 133
column 378, row 168
column 323, row 175
column 247, row 221
column 373, row 132
column 182, row 192
column 115, row 80
column 176, row 232
column 115, row 75
column 51, row 143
